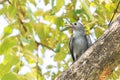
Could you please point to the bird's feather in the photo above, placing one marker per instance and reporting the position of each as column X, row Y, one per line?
column 89, row 41
column 71, row 48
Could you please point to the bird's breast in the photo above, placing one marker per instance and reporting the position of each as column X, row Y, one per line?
column 80, row 43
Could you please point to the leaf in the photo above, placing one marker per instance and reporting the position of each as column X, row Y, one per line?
column 18, row 67
column 64, row 29
column 3, row 10
column 98, row 31
column 25, row 41
column 43, row 31
column 59, row 56
column 58, row 47
column 46, row 1
column 40, row 60
column 87, row 30
column 29, row 27
column 72, row 18
column 40, row 31
column 10, row 76
column 59, row 22
column 78, row 11
column 7, row 30
column 47, row 73
column 50, row 18
column 12, row 11
column 7, row 44
column 59, row 4
column 33, row 2
column 29, row 56
column 39, row 13
column 9, row 60
column 49, row 66
column 4, row 69
column 86, row 8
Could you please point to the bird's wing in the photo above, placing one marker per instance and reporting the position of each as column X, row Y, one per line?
column 89, row 40
column 71, row 47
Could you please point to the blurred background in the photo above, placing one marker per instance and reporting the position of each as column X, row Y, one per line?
column 34, row 37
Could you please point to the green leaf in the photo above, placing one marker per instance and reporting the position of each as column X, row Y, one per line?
column 59, row 4
column 8, row 44
column 46, row 1
column 29, row 44
column 18, row 67
column 12, row 11
column 50, row 18
column 78, row 11
column 4, row 69
column 98, row 31
column 58, row 47
column 64, row 29
column 72, row 18
column 25, row 40
column 85, row 6
column 29, row 56
column 49, row 66
column 39, row 13
column 43, row 31
column 9, row 60
column 33, row 2
column 3, row 10
column 7, row 30
column 59, row 22
column 47, row 73
column 10, row 76
column 59, row 56
column 29, row 27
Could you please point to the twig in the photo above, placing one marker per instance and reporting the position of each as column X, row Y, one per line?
column 114, row 13
column 68, row 21
column 38, row 43
column 22, row 23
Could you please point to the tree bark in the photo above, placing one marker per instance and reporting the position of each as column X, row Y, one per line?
column 99, row 60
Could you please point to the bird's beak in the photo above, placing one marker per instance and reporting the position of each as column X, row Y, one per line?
column 69, row 25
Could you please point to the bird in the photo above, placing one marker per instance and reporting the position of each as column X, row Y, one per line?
column 79, row 42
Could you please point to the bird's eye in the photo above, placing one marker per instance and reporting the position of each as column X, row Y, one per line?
column 75, row 23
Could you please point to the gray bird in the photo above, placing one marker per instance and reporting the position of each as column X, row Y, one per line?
column 79, row 42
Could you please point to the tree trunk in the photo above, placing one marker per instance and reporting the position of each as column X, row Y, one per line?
column 99, row 60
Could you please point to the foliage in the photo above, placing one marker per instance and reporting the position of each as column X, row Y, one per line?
column 40, row 26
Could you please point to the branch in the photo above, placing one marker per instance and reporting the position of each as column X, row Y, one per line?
column 102, row 57
column 115, row 11
column 22, row 23
column 38, row 43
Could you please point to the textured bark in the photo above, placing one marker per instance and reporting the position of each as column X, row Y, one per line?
column 99, row 60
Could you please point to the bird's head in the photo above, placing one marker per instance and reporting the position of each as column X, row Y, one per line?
column 77, row 26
